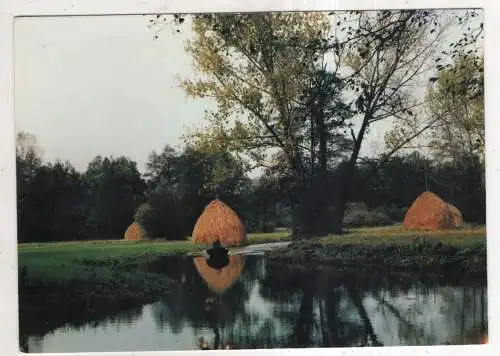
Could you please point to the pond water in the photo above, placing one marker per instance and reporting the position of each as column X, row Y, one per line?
column 253, row 303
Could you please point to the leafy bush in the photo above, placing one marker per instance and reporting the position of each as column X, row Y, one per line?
column 163, row 216
column 261, row 226
column 267, row 227
column 394, row 212
column 358, row 215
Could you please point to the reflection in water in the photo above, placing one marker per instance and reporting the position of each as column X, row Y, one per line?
column 218, row 256
column 219, row 280
column 252, row 303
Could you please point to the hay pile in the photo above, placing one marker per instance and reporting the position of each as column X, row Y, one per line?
column 430, row 212
column 220, row 280
column 456, row 215
column 135, row 233
column 219, row 222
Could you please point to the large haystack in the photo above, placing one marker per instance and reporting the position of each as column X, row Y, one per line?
column 430, row 212
column 135, row 233
column 456, row 215
column 219, row 280
column 219, row 222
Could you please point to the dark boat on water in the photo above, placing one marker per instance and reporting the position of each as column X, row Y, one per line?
column 218, row 256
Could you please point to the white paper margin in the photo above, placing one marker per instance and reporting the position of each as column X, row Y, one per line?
column 8, row 239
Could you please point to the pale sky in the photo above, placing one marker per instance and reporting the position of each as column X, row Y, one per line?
column 101, row 85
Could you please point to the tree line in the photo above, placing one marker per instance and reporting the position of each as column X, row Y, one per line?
column 58, row 203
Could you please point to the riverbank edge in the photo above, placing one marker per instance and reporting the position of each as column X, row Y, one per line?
column 82, row 301
column 419, row 254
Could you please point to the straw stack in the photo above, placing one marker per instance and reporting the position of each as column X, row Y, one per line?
column 219, row 222
column 135, row 233
column 430, row 212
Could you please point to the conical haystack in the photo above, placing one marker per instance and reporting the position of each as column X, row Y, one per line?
column 219, row 222
column 456, row 215
column 135, row 233
column 220, row 280
column 430, row 212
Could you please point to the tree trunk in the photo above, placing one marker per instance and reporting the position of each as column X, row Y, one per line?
column 297, row 197
column 357, row 300
column 323, row 148
column 302, row 332
column 332, row 311
column 345, row 184
column 313, row 213
column 320, row 191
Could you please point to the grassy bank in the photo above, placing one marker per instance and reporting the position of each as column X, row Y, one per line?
column 461, row 249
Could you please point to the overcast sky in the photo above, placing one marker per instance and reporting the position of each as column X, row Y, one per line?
column 101, row 85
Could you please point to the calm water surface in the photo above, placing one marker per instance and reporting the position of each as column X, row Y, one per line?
column 254, row 303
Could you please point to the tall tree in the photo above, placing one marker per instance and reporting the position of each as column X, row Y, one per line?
column 115, row 190
column 59, row 195
column 388, row 53
column 28, row 161
column 454, row 111
column 273, row 94
column 463, row 44
column 457, row 104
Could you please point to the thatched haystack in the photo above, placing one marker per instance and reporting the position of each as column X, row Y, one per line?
column 430, row 212
column 219, row 222
column 219, row 280
column 135, row 233
column 456, row 215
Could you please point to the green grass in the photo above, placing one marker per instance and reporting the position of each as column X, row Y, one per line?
column 121, row 248
column 396, row 234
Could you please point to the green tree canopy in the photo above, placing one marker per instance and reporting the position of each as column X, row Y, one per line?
column 181, row 183
column 115, row 190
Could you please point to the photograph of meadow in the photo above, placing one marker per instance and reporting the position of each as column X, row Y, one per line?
column 251, row 180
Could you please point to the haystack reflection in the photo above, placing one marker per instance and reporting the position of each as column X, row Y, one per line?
column 219, row 280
